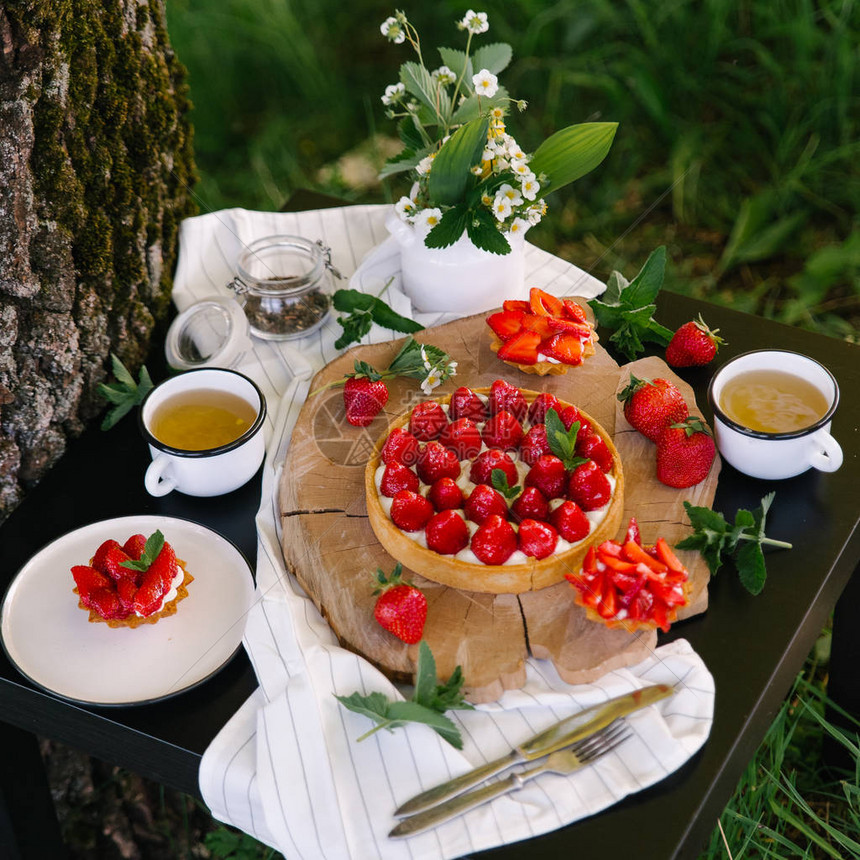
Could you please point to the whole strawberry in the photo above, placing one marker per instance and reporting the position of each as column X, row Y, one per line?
column 693, row 345
column 651, row 405
column 685, row 452
column 401, row 608
column 364, row 398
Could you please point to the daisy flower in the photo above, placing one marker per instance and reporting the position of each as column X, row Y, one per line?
column 393, row 31
column 485, row 83
column 474, row 22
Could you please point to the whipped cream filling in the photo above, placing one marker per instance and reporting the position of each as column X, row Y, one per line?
column 594, row 517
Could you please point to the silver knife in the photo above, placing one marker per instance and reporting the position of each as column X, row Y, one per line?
column 562, row 734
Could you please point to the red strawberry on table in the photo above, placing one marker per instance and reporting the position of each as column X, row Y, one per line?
column 364, row 399
column 502, row 430
column 463, row 438
column 483, row 465
column 435, row 461
column 427, row 421
column 549, row 476
column 534, row 445
column 410, row 511
column 466, row 404
column 685, row 452
column 447, row 533
column 588, row 486
column 570, row 521
column 537, row 539
column 400, row 608
column 693, row 345
column 495, row 540
column 531, row 504
column 652, row 405
column 400, row 447
column 445, row 494
column 484, row 501
column 397, row 477
column 505, row 397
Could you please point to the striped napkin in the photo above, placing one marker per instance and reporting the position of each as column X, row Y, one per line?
column 287, row 768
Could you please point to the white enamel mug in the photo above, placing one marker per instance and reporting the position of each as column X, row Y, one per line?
column 774, row 456
column 214, row 471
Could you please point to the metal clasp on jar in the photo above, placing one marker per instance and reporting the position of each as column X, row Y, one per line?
column 326, row 255
column 238, row 286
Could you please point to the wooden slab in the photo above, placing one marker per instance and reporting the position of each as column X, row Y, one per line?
column 330, row 547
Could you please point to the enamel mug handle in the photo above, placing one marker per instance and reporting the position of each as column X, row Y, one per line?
column 158, row 480
column 827, row 453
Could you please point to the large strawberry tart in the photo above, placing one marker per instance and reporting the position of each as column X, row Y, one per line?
column 497, row 490
column 138, row 582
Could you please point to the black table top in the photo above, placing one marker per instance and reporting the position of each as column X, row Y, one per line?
column 754, row 646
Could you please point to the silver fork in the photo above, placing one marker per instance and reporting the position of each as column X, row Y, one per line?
column 564, row 761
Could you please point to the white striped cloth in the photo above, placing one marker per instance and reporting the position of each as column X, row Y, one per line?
column 287, row 768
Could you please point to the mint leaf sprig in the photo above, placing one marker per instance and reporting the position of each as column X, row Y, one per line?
column 362, row 311
column 499, row 480
column 562, row 442
column 628, row 307
column 153, row 546
column 126, row 394
column 717, row 540
column 428, row 704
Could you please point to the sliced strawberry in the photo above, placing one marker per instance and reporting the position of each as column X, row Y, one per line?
column 165, row 565
column 447, row 533
column 549, row 476
column 149, row 596
column 566, row 347
column 435, row 461
column 400, row 447
column 466, row 404
column 536, row 539
column 484, row 501
column 108, row 559
column 134, row 546
column 633, row 532
column 463, row 438
column 522, row 348
column 589, row 487
column 397, row 477
column 427, row 421
column 534, row 445
column 577, row 329
column 539, row 325
column 126, row 589
column 481, row 471
column 88, row 580
column 410, row 511
column 506, row 323
column 573, row 310
column 541, row 405
column 502, row 431
column 505, row 397
column 531, row 504
column 570, row 521
column 591, row 446
column 495, row 540
column 106, row 602
column 544, row 304
column 516, row 305
column 445, row 495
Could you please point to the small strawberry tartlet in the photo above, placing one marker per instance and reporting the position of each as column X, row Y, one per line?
column 138, row 582
column 497, row 490
column 545, row 335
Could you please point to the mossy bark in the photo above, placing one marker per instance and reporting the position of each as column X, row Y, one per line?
column 95, row 175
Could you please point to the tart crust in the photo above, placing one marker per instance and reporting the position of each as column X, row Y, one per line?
column 499, row 578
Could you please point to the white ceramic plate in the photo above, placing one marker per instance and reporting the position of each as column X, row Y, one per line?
column 51, row 640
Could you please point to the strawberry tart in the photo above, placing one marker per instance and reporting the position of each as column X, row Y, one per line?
column 544, row 336
column 497, row 490
column 138, row 582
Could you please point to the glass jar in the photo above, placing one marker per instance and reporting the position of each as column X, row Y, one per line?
column 284, row 285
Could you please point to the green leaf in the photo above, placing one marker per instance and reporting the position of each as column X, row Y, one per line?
column 450, row 228
column 402, row 712
column 152, row 548
column 449, row 696
column 483, row 231
column 383, row 315
column 499, row 480
column 405, row 160
column 355, row 327
column 494, row 57
column 457, row 62
column 571, row 153
column 121, row 372
column 352, row 300
column 450, row 174
column 473, row 107
column 420, row 84
column 374, row 705
column 616, row 284
column 643, row 289
column 410, row 135
column 425, row 676
column 117, row 413
column 751, row 566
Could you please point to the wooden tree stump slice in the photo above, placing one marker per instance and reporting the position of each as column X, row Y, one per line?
column 329, row 546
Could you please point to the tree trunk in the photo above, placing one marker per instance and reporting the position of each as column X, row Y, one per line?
column 95, row 175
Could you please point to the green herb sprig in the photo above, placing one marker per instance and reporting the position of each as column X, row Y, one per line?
column 362, row 311
column 126, row 394
column 152, row 548
column 428, row 704
column 628, row 307
column 718, row 540
column 562, row 442
column 499, row 480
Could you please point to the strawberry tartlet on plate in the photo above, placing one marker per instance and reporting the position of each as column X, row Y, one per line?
column 499, row 490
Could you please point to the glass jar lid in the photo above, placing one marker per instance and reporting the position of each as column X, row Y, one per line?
column 213, row 332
